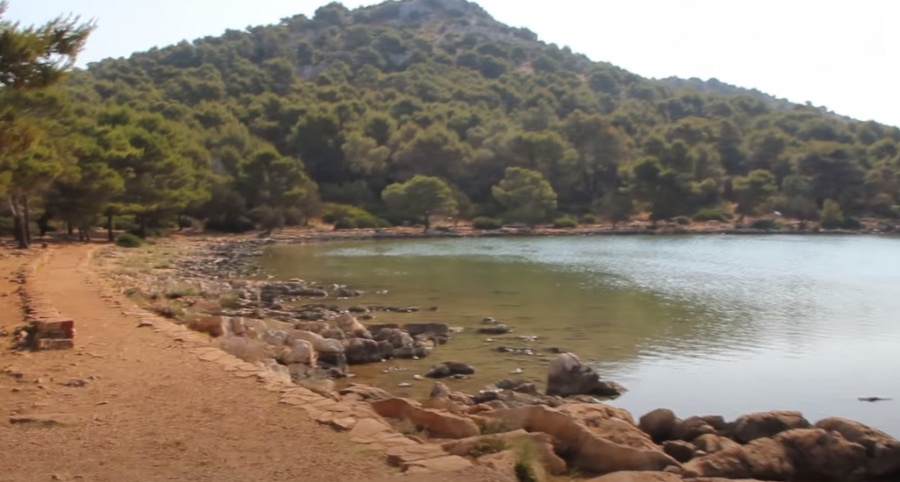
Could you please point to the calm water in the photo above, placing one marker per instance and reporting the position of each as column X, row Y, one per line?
column 700, row 324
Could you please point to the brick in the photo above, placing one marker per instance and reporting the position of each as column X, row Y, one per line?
column 54, row 344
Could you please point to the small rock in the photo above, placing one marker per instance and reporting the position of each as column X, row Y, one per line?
column 488, row 321
column 77, row 383
column 418, row 377
column 405, row 385
column 494, row 330
column 517, row 371
column 146, row 324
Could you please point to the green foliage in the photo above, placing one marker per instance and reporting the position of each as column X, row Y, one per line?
column 565, row 222
column 588, row 219
column 716, row 213
column 526, row 195
column 832, row 215
column 351, row 217
column 683, row 220
column 128, row 240
column 487, row 224
column 487, row 447
column 767, row 224
column 257, row 127
column 421, row 196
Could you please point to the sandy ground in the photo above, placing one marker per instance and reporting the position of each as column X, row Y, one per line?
column 150, row 410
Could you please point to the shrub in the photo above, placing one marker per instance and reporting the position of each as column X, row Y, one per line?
column 851, row 223
column 768, row 224
column 565, row 222
column 589, row 219
column 230, row 302
column 128, row 240
column 344, row 216
column 683, row 220
column 487, row 447
column 232, row 225
column 717, row 213
column 485, row 223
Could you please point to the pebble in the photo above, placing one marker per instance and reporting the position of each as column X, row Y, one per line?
column 405, row 385
column 489, row 340
column 418, row 377
column 517, row 371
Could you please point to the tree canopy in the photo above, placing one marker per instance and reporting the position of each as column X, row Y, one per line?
column 267, row 125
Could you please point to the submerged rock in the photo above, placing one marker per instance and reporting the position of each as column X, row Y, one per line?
column 449, row 369
column 568, row 376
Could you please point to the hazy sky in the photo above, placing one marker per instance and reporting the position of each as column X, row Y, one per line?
column 843, row 54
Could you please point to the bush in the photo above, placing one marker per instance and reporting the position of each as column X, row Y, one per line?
column 128, row 240
column 487, row 224
column 683, row 220
column 768, row 224
column 344, row 216
column 228, row 224
column 565, row 222
column 717, row 213
column 589, row 219
column 851, row 223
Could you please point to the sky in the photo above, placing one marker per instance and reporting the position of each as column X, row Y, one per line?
column 841, row 54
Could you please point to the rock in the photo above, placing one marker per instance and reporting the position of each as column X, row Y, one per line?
column 436, row 422
column 791, row 455
column 766, row 424
column 280, row 371
column 598, row 438
column 360, row 351
column 348, row 293
column 712, row 443
column 302, row 351
column 442, row 398
column 405, row 385
column 691, row 428
column 141, row 324
column 363, row 393
column 568, row 376
column 395, row 336
column 679, row 450
column 351, row 326
column 882, row 449
column 328, row 350
column 488, row 321
column 543, row 443
column 659, row 424
column 638, row 477
column 439, row 333
column 494, row 330
column 449, row 369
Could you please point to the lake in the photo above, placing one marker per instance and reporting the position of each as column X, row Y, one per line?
column 701, row 324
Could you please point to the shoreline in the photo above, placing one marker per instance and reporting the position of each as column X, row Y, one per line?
column 705, row 443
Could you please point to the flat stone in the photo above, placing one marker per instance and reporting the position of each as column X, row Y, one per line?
column 401, row 456
column 367, row 429
column 344, row 424
column 448, row 463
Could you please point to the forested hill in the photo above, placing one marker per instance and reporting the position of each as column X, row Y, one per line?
column 273, row 123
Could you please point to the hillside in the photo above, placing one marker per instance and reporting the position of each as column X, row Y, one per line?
column 263, row 126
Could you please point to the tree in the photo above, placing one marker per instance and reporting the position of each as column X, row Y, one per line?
column 526, row 195
column 752, row 190
column 616, row 206
column 31, row 58
column 832, row 216
column 421, row 196
column 274, row 186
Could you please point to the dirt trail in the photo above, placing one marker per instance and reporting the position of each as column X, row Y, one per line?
column 150, row 410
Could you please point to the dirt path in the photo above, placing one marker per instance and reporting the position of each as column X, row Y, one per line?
column 150, row 410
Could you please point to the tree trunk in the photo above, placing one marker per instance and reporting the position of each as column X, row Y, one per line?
column 142, row 226
column 70, row 230
column 26, row 218
column 427, row 222
column 18, row 224
column 109, row 227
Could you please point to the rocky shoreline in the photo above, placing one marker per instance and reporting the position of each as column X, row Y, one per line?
column 304, row 333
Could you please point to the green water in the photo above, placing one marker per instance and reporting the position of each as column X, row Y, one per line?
column 700, row 324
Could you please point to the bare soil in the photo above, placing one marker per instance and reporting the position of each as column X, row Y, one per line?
column 148, row 409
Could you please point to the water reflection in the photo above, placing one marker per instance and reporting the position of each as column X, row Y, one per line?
column 704, row 324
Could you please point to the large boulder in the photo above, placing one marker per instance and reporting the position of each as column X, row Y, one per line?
column 396, row 337
column 542, row 443
column 437, row 333
column 794, row 454
column 301, row 351
column 679, row 450
column 766, row 424
column 883, row 451
column 568, row 376
column 598, row 438
column 351, row 326
column 437, row 423
column 712, row 443
column 360, row 351
column 691, row 428
column 659, row 424
column 328, row 350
